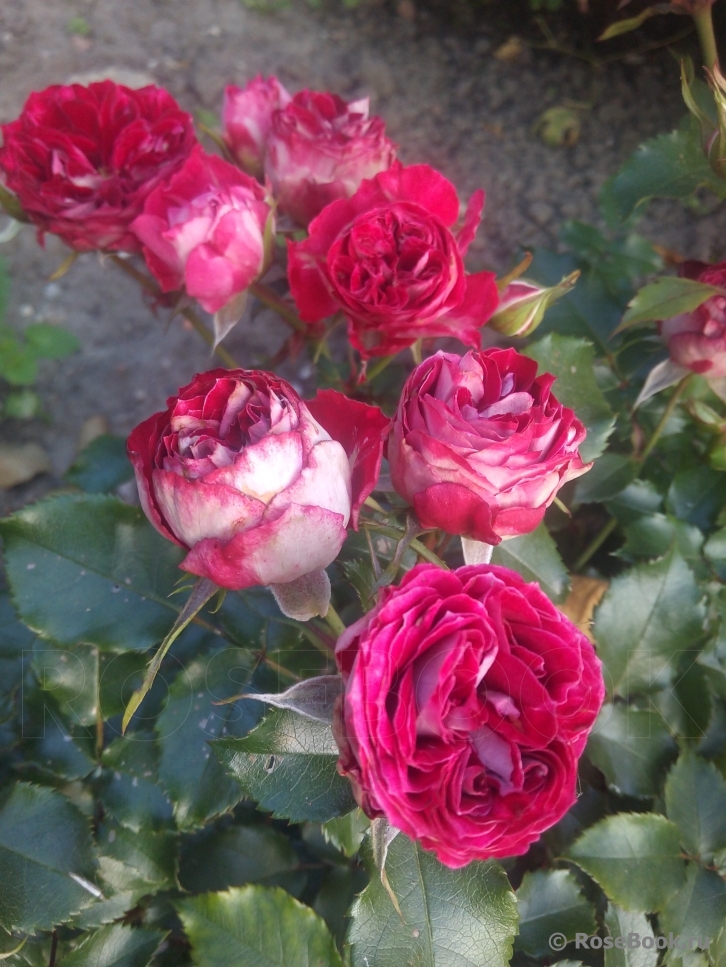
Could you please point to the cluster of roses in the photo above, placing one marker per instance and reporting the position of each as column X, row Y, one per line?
column 468, row 695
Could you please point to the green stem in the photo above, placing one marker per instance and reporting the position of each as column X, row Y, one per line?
column 334, row 621
column 377, row 368
column 271, row 299
column 607, row 530
column 153, row 289
column 703, row 18
column 415, row 545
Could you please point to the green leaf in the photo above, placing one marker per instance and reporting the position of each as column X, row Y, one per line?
column 669, row 166
column 648, row 616
column 23, row 404
column 347, row 832
column 71, row 676
column 128, row 786
column 218, row 859
column 653, row 535
column 665, row 298
column 631, row 23
column 536, row 558
column 288, row 764
column 115, row 946
column 50, row 743
column 51, row 342
column 571, row 361
column 463, row 917
column 695, row 796
column 549, row 901
column 18, row 365
column 46, row 860
column 715, row 551
column 631, row 747
column 696, row 496
column 133, row 860
column 635, row 857
column 91, row 569
column 620, row 924
column 611, row 474
column 193, row 778
column 258, row 927
column 338, row 890
column 698, row 909
column 101, row 466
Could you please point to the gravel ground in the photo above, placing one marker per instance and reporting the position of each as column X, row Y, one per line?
column 446, row 99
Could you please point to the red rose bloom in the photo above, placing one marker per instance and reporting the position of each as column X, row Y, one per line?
column 468, row 701
column 480, row 446
column 245, row 475
column 697, row 339
column 82, row 160
column 388, row 259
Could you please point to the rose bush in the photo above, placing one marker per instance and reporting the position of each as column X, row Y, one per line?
column 246, row 119
column 205, row 229
column 239, row 471
column 480, row 445
column 320, row 149
column 387, row 258
column 697, row 339
column 468, row 701
column 82, row 160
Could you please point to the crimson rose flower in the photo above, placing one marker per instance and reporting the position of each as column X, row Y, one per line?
column 468, row 700
column 697, row 339
column 245, row 475
column 246, row 119
column 387, row 259
column 205, row 229
column 480, row 446
column 82, row 160
column 320, row 149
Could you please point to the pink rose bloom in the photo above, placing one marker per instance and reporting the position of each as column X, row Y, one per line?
column 388, row 258
column 480, row 446
column 468, row 701
column 320, row 149
column 205, row 230
column 697, row 340
column 244, row 475
column 82, row 160
column 246, row 119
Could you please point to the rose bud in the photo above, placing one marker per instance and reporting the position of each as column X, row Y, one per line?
column 522, row 305
column 388, row 259
column 240, row 473
column 697, row 340
column 246, row 119
column 82, row 160
column 206, row 229
column 320, row 149
column 468, row 700
column 480, row 446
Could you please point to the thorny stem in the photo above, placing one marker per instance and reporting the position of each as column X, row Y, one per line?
column 703, row 18
column 334, row 621
column 153, row 289
column 607, row 530
column 397, row 532
column 53, row 949
column 271, row 299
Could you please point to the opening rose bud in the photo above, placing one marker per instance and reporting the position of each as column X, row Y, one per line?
column 205, row 229
column 82, row 160
column 522, row 305
column 320, row 148
column 697, row 340
column 388, row 258
column 246, row 476
column 246, row 119
column 468, row 701
column 480, row 445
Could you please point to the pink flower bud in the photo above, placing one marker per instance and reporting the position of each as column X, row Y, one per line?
column 468, row 701
column 205, row 230
column 246, row 119
column 697, row 340
column 320, row 149
column 239, row 472
column 480, row 446
column 82, row 160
